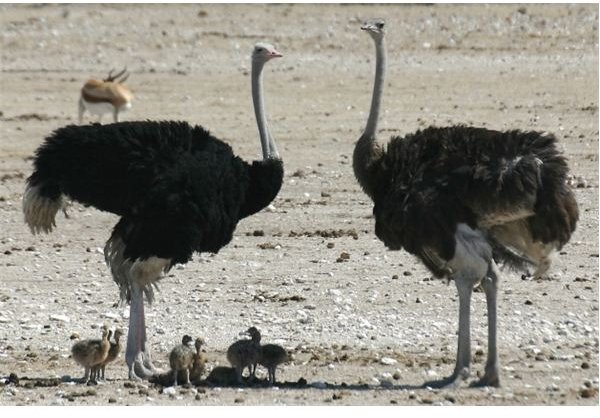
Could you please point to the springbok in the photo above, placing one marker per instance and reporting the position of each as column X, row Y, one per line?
column 109, row 95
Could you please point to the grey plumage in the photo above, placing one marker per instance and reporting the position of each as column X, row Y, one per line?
column 181, row 359
column 245, row 353
column 271, row 356
column 91, row 354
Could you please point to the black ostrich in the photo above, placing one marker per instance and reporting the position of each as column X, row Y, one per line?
column 462, row 198
column 177, row 189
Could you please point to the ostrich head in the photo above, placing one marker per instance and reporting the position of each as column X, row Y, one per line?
column 254, row 334
column 263, row 52
column 374, row 27
column 118, row 333
column 198, row 343
column 186, row 340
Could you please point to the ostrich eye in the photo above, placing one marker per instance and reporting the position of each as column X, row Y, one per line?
column 259, row 50
column 380, row 25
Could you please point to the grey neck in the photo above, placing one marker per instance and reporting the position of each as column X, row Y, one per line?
column 266, row 141
column 371, row 127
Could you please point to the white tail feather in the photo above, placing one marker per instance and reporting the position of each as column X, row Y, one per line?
column 40, row 211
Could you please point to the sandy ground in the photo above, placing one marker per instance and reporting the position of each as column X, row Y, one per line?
column 363, row 331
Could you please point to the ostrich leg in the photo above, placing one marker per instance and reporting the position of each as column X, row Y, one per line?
column 136, row 337
column 490, row 287
column 463, row 355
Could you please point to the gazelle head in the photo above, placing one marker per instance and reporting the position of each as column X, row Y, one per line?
column 115, row 78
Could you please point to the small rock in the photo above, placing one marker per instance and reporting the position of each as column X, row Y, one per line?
column 344, row 256
column 60, row 318
column 387, row 361
column 112, row 400
column 169, row 391
column 588, row 393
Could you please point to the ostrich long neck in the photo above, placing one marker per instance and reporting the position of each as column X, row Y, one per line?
column 371, row 128
column 266, row 140
column 367, row 151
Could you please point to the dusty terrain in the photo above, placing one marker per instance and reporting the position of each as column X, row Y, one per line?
column 366, row 328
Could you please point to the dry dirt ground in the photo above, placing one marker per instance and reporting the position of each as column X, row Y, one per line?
column 366, row 328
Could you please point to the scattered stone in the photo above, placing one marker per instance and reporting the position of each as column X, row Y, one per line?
column 387, row 361
column 60, row 318
column 588, row 393
column 344, row 256
column 169, row 391
column 112, row 400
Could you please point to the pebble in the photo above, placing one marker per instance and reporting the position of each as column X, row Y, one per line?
column 387, row 361
column 319, row 385
column 60, row 318
column 169, row 391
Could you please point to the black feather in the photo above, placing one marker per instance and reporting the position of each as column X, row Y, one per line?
column 426, row 183
column 177, row 188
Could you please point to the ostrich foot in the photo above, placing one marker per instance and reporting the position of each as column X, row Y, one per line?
column 489, row 379
column 148, row 365
column 142, row 368
column 452, row 381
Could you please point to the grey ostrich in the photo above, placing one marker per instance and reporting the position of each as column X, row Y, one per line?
column 181, row 358
column 245, row 353
column 91, row 354
column 177, row 189
column 271, row 356
column 462, row 198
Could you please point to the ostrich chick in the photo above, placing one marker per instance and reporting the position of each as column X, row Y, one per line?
column 181, row 359
column 91, row 353
column 113, row 353
column 199, row 362
column 245, row 353
column 271, row 356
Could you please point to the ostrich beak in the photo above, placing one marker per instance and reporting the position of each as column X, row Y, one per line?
column 275, row 54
